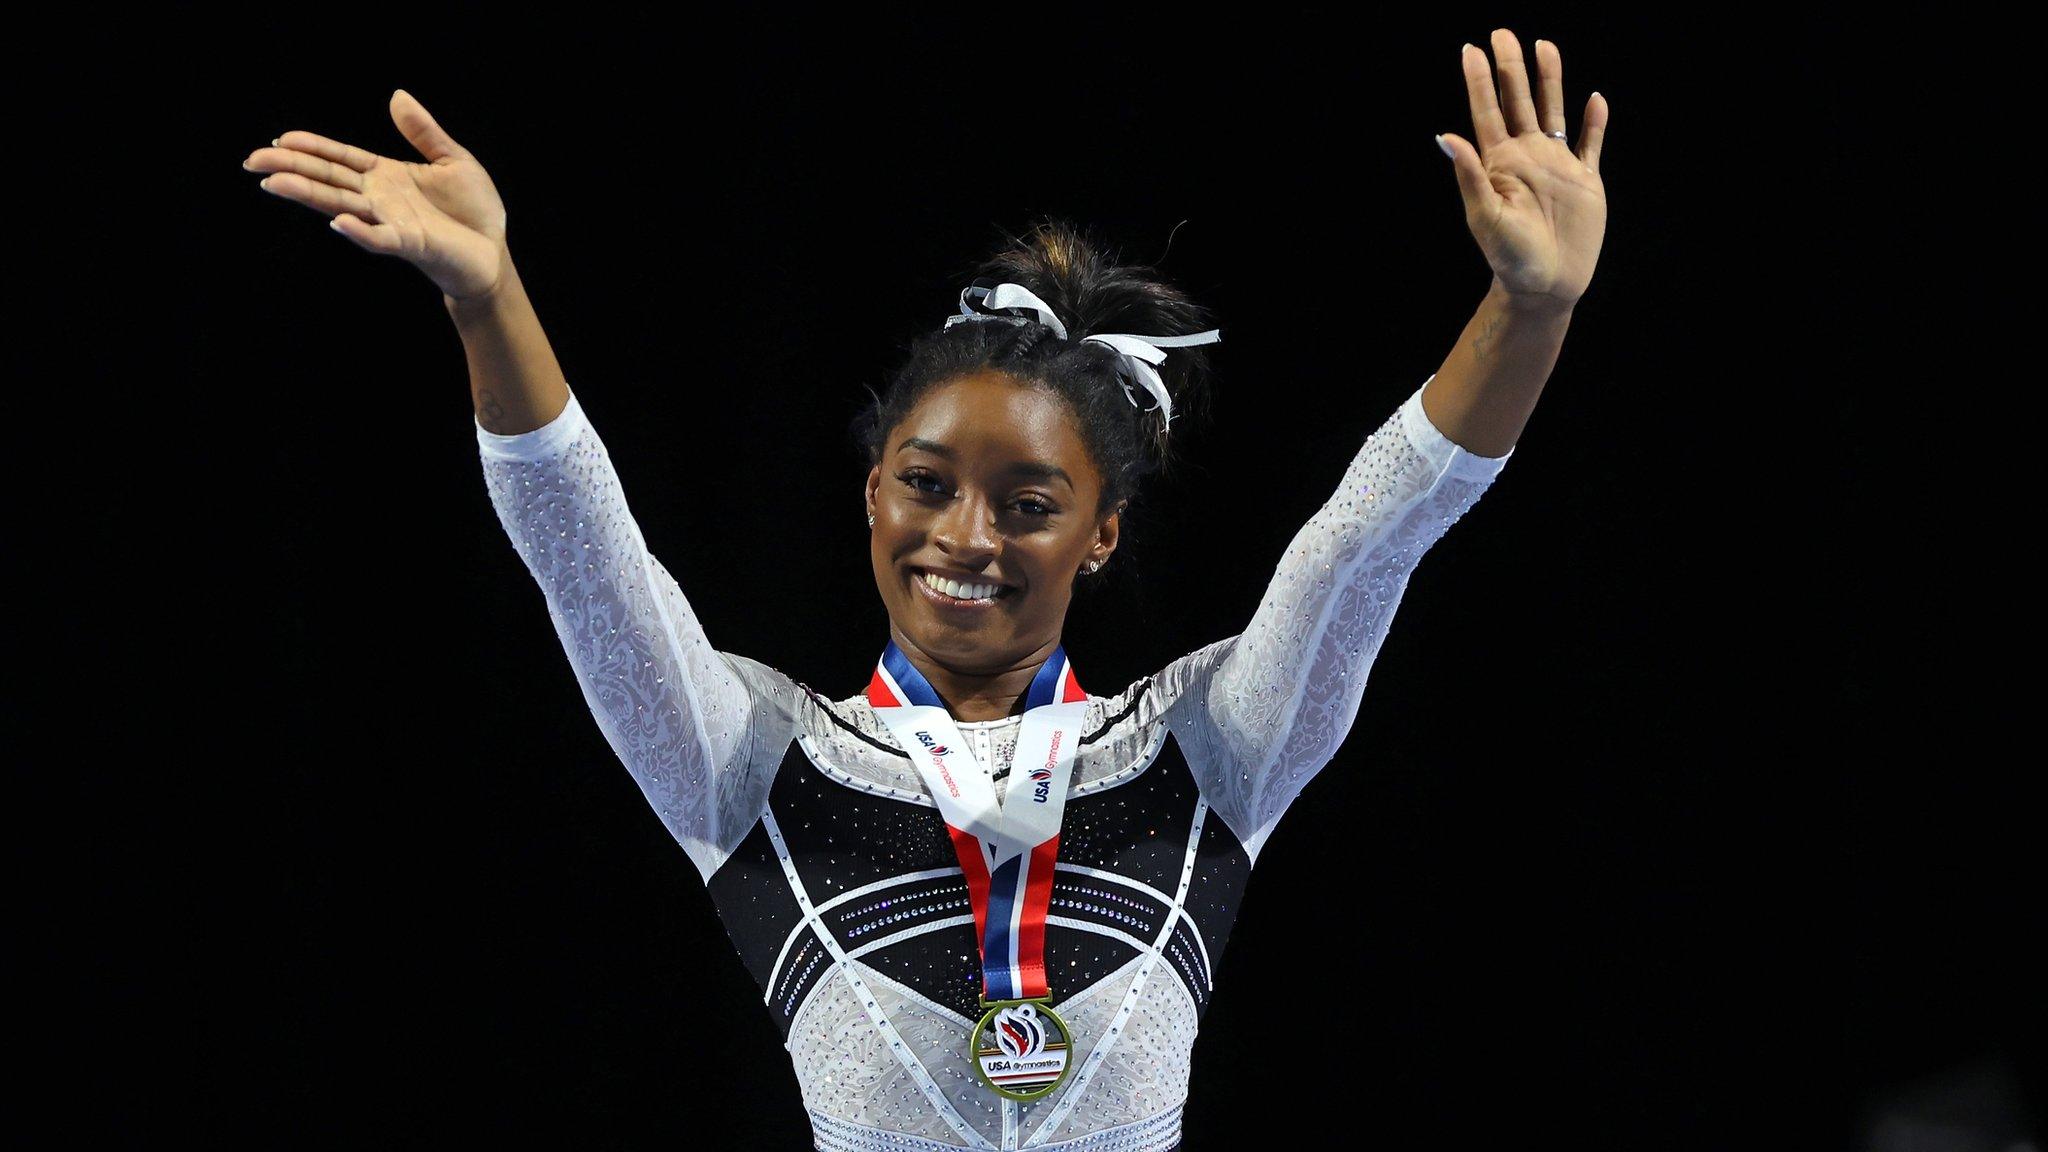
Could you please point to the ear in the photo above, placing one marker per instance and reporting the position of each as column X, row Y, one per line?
column 873, row 486
column 1106, row 534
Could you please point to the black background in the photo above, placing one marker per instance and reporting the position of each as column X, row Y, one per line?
column 1669, row 818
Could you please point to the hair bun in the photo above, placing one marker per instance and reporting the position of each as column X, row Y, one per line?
column 1081, row 276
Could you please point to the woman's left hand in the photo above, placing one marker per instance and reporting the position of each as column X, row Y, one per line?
column 1536, row 205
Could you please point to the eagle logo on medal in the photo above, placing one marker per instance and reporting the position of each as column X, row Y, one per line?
column 1020, row 1048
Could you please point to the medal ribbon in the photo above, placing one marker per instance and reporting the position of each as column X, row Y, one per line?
column 1007, row 850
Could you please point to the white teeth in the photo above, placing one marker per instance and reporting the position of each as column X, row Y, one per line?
column 959, row 591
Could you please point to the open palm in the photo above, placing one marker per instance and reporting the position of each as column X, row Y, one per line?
column 443, row 216
column 1536, row 206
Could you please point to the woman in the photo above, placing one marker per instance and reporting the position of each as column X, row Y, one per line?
column 959, row 952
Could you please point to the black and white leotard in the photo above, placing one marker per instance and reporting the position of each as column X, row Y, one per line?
column 832, row 868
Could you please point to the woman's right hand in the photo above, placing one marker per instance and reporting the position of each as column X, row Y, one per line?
column 442, row 216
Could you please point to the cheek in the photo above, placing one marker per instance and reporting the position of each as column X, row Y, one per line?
column 895, row 536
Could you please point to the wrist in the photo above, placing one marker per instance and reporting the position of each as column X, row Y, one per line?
column 1531, row 305
column 485, row 303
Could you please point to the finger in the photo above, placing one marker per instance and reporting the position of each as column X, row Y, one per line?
column 1550, row 87
column 1486, row 121
column 1514, row 83
column 305, row 164
column 1473, row 186
column 325, row 199
column 345, row 154
column 421, row 130
column 1593, row 131
column 379, row 238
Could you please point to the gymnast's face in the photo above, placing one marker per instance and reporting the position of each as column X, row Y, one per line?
column 987, row 481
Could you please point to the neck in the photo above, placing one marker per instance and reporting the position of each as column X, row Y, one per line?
column 980, row 693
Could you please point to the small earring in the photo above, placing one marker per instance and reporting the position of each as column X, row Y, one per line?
column 871, row 520
column 1093, row 565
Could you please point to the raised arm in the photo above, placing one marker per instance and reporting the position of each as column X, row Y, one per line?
column 1280, row 697
column 670, row 706
column 1277, row 700
column 676, row 712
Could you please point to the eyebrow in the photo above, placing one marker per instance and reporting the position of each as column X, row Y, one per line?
column 1035, row 468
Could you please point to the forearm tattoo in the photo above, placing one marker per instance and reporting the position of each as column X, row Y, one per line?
column 1482, row 342
column 489, row 410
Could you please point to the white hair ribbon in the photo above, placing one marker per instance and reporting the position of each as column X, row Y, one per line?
column 1136, row 354
column 1005, row 296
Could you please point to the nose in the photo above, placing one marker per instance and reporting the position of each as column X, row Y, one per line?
column 966, row 531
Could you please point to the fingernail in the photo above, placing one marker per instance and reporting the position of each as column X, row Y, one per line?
column 336, row 225
column 1461, row 51
column 275, row 139
column 1446, row 147
column 264, row 183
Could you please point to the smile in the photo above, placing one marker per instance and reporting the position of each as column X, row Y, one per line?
column 937, row 595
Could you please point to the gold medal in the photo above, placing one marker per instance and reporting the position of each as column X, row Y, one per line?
column 1020, row 1048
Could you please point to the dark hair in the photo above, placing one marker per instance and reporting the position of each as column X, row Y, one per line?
column 1074, row 272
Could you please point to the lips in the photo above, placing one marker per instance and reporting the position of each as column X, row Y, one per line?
column 940, row 599
column 962, row 577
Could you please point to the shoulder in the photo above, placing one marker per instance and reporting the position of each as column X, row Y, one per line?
column 1184, row 683
column 1149, row 702
column 1125, row 731
column 844, row 734
column 768, row 683
column 781, row 704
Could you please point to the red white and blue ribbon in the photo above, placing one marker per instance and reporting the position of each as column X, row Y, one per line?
column 1006, row 849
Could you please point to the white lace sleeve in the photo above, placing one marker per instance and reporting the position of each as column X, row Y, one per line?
column 675, row 710
column 1277, row 700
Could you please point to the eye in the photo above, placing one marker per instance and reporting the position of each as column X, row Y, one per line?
column 1029, row 505
column 911, row 478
